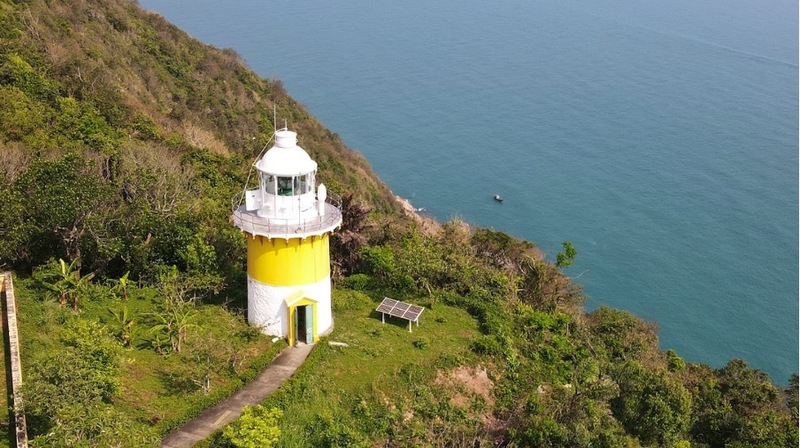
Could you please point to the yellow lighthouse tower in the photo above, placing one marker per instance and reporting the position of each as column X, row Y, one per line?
column 288, row 224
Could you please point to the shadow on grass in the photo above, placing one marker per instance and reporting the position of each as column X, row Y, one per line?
column 177, row 383
column 390, row 320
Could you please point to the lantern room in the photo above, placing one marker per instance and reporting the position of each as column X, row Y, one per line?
column 287, row 179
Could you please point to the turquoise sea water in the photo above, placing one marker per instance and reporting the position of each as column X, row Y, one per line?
column 660, row 137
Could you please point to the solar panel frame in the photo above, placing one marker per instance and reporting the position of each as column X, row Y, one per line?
column 400, row 309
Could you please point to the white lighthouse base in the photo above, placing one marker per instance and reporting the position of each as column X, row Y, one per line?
column 267, row 305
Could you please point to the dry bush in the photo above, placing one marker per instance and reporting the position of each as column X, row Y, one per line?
column 169, row 182
column 13, row 160
column 202, row 138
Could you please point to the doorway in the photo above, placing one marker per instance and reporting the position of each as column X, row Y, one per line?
column 304, row 324
column 301, row 320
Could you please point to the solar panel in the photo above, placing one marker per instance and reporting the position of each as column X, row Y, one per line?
column 387, row 305
column 400, row 309
column 413, row 312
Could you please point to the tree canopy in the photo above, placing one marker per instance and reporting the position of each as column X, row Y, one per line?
column 124, row 142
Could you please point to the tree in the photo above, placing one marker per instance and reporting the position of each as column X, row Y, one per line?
column 747, row 390
column 620, row 335
column 177, row 313
column 205, row 355
column 257, row 427
column 566, row 257
column 415, row 264
column 651, row 405
column 790, row 394
column 60, row 203
column 543, row 286
column 173, row 322
column 346, row 243
column 739, row 406
column 500, row 249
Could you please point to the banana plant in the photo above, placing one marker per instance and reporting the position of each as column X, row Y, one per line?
column 69, row 283
column 120, row 286
column 125, row 325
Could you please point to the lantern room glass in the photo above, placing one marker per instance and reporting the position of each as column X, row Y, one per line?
column 288, row 185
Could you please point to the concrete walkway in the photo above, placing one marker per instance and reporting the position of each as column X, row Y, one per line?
column 229, row 409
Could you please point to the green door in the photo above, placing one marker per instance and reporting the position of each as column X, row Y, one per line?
column 304, row 324
column 309, row 324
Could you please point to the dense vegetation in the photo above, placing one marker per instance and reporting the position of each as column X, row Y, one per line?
column 122, row 145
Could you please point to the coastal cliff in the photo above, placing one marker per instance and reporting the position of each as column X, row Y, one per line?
column 124, row 143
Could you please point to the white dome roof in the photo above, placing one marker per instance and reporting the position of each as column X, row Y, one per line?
column 286, row 158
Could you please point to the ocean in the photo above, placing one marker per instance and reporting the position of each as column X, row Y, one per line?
column 659, row 137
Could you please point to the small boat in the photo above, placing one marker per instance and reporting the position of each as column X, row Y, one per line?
column 498, row 198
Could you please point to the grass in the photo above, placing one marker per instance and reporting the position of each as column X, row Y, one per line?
column 157, row 389
column 380, row 359
column 347, row 395
column 377, row 349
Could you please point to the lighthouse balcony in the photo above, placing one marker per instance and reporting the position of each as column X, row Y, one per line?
column 298, row 227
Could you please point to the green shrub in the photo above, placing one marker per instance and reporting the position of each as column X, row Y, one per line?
column 344, row 300
column 358, row 282
column 333, row 432
column 17, row 72
column 257, row 427
column 674, row 362
column 487, row 344
column 421, row 344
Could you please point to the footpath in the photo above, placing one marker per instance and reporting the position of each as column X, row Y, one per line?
column 214, row 418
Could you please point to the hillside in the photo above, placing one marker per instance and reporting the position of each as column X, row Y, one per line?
column 165, row 119
column 123, row 143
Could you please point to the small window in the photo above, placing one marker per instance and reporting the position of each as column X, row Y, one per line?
column 309, row 181
column 269, row 183
column 304, row 187
column 284, row 186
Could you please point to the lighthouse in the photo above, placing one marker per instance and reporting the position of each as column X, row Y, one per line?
column 288, row 222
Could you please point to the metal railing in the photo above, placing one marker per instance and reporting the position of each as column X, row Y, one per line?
column 251, row 223
column 334, row 199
